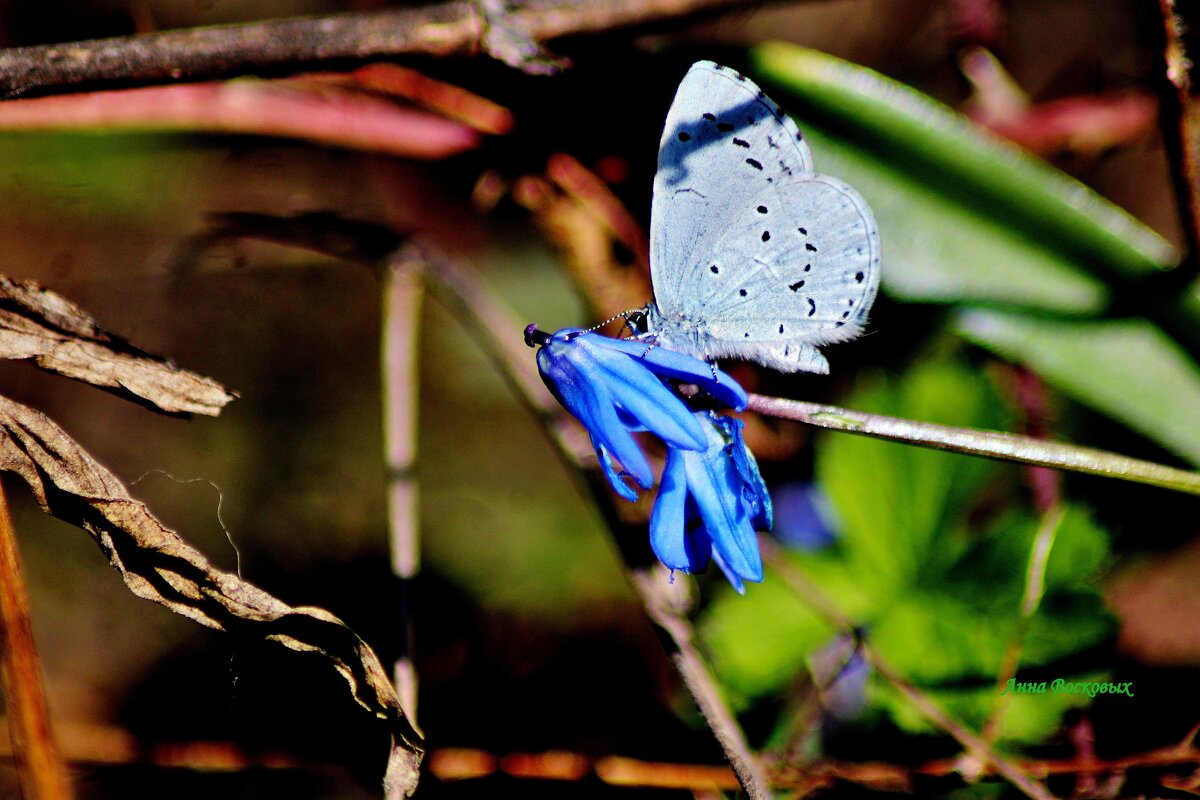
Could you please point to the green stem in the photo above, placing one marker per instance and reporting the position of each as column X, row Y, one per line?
column 990, row 444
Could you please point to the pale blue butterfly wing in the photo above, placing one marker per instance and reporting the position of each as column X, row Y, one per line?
column 753, row 255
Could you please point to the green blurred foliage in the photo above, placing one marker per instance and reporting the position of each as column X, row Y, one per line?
column 931, row 562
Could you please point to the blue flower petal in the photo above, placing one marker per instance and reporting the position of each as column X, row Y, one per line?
column 682, row 367
column 572, row 376
column 645, row 398
column 754, row 489
column 619, row 486
column 734, row 579
column 716, row 487
column 667, row 520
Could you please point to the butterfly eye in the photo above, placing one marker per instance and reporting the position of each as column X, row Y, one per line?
column 638, row 322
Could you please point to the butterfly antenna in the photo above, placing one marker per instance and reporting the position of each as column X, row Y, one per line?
column 625, row 315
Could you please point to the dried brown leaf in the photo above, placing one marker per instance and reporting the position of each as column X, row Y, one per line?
column 158, row 565
column 61, row 337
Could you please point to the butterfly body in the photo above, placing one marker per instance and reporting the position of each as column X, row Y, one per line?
column 753, row 254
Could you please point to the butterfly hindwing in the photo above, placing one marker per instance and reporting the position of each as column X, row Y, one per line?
column 802, row 270
column 722, row 138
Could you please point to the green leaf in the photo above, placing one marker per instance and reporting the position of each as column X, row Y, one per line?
column 1128, row 369
column 894, row 501
column 936, row 145
column 991, row 571
column 950, row 640
column 759, row 642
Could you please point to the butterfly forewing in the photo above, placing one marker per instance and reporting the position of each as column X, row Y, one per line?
column 722, row 137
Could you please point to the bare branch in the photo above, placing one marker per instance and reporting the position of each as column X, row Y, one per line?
column 451, row 28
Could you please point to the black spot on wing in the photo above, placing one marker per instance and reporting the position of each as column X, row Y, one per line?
column 766, row 236
column 724, row 127
column 684, row 136
column 761, row 209
column 740, row 142
column 858, row 277
column 797, row 286
column 711, row 117
column 757, row 165
column 803, row 231
column 713, row 269
column 812, row 306
column 809, row 246
column 742, row 292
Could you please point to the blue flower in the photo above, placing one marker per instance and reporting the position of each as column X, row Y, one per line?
column 804, row 517
column 614, row 386
column 712, row 498
column 710, row 503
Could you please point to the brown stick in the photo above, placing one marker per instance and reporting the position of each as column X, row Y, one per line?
column 39, row 768
column 449, row 28
column 402, row 293
column 1178, row 128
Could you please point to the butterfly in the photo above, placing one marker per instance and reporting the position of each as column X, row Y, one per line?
column 753, row 255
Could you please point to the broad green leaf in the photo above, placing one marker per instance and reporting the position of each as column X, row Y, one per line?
column 932, row 638
column 759, row 642
column 950, row 639
column 919, row 135
column 1128, row 369
column 990, row 573
column 895, row 500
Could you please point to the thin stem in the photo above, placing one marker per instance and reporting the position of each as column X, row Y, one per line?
column 41, row 772
column 496, row 332
column 655, row 593
column 1035, row 587
column 401, row 310
column 990, row 444
column 442, row 29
